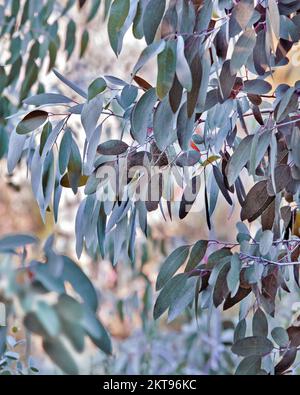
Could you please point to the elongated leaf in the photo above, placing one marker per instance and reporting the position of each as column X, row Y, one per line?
column 257, row 87
column 280, row 336
column 32, row 121
column 47, row 98
column 112, row 147
column 260, row 324
column 152, row 17
column 70, row 84
column 168, row 293
column 141, row 115
column 197, row 254
column 266, row 242
column 166, row 63
column 249, row 366
column 97, row 332
column 80, row 282
column 163, row 125
column 60, row 355
column 171, row 265
column 239, row 159
column 10, row 242
column 242, row 50
column 149, row 52
column 97, row 86
column 183, row 71
column 220, row 181
column 253, row 345
column 117, row 17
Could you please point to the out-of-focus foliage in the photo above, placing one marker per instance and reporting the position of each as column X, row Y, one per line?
column 37, row 291
column 211, row 125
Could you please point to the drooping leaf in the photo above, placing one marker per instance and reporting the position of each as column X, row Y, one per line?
column 171, row 265
column 166, row 63
column 183, row 71
column 238, row 160
column 32, row 121
column 163, row 124
column 152, row 17
column 242, row 50
column 197, row 254
column 60, row 355
column 149, row 52
column 141, row 115
column 117, row 17
column 168, row 293
column 260, row 324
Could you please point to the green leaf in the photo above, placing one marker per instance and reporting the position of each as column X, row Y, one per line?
column 32, row 121
column 141, row 115
column 112, row 147
column 240, row 331
column 70, row 84
column 97, row 332
column 185, row 128
column 65, row 150
column 253, row 345
column 295, row 145
column 233, row 277
column 48, row 318
column 117, row 17
column 242, row 50
column 70, row 38
column 152, row 17
column 149, row 52
column 97, row 86
column 69, row 309
column 241, row 16
column 284, row 105
column 260, row 324
column 182, row 299
column 197, row 254
column 280, row 336
column 266, row 242
column 60, row 355
column 168, row 293
column 14, row 241
column 163, row 124
column 84, row 42
column 249, row 366
column 90, row 115
column 47, row 98
column 257, row 87
column 166, row 62
column 94, row 9
column 3, row 142
column 171, row 265
column 80, row 282
column 192, row 96
column 183, row 71
column 239, row 159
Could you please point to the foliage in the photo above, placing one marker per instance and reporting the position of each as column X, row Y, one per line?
column 212, row 124
column 62, row 325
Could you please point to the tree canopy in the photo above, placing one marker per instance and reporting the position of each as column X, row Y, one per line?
column 214, row 124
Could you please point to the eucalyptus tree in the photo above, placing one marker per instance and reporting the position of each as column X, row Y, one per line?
column 213, row 124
